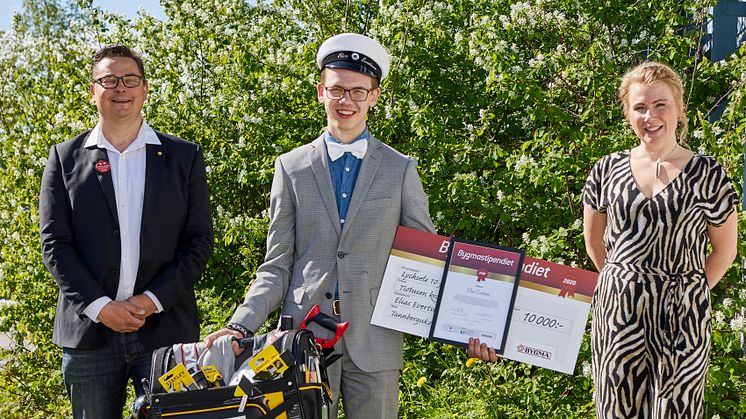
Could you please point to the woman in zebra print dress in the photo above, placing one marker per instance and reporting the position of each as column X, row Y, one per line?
column 649, row 214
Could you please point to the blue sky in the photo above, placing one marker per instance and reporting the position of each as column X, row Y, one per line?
column 127, row 8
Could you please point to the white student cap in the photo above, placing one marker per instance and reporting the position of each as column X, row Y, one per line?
column 352, row 51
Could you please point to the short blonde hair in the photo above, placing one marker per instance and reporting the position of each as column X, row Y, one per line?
column 648, row 73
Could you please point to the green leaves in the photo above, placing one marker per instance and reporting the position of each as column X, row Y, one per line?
column 506, row 106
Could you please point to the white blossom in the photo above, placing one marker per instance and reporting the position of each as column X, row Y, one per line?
column 525, row 123
column 505, row 21
column 738, row 324
column 536, row 61
column 587, row 369
column 523, row 161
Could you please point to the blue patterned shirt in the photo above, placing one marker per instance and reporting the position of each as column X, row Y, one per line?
column 344, row 173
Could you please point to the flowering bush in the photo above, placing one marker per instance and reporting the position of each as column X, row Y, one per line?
column 506, row 105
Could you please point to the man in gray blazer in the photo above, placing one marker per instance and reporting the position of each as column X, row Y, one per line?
column 335, row 206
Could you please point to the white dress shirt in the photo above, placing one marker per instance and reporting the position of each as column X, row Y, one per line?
column 128, row 177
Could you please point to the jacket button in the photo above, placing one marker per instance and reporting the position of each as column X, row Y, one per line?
column 116, row 233
column 328, row 296
column 341, row 254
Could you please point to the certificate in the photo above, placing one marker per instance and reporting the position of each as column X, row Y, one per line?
column 476, row 294
column 549, row 315
column 411, row 282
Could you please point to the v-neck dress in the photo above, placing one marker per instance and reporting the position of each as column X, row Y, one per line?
column 650, row 333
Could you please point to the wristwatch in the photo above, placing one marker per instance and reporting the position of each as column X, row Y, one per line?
column 240, row 329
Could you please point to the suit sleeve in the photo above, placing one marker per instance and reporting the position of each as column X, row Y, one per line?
column 195, row 244
column 59, row 251
column 415, row 210
column 273, row 277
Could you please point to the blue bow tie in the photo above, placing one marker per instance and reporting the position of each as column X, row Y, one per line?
column 337, row 150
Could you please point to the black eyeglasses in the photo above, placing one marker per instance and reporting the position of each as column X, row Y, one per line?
column 358, row 94
column 111, row 82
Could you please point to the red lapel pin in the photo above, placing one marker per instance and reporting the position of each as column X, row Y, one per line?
column 103, row 166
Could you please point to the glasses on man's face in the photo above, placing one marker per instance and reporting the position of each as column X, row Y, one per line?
column 358, row 94
column 111, row 82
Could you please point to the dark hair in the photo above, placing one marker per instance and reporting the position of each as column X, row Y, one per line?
column 117, row 50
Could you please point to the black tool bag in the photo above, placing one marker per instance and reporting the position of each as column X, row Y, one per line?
column 295, row 394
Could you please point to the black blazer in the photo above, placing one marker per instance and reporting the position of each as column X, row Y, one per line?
column 81, row 247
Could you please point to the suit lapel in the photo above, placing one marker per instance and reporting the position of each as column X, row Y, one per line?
column 320, row 166
column 97, row 155
column 155, row 162
column 368, row 170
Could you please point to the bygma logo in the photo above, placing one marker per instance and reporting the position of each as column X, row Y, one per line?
column 539, row 353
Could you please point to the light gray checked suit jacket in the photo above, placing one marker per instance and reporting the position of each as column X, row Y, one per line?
column 308, row 252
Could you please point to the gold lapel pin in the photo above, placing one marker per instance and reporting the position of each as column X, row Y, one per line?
column 159, row 153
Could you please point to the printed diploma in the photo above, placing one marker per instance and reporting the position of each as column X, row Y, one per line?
column 476, row 294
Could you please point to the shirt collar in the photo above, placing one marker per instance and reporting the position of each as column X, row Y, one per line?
column 146, row 135
column 363, row 136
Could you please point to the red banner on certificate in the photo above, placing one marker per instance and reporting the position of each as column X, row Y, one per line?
column 563, row 280
column 413, row 243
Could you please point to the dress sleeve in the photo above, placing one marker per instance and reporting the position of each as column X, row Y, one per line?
column 592, row 192
column 722, row 197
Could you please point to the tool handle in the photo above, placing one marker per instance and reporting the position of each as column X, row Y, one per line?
column 327, row 322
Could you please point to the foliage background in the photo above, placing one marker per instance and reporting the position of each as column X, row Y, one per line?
column 506, row 105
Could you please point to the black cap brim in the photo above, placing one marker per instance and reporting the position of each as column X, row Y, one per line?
column 354, row 61
column 348, row 65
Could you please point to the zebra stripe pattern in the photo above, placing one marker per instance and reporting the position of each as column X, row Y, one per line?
column 650, row 333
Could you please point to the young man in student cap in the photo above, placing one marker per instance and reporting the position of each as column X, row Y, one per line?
column 335, row 206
